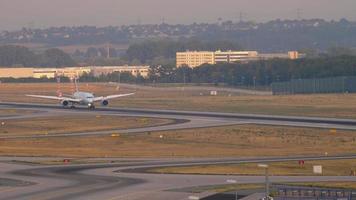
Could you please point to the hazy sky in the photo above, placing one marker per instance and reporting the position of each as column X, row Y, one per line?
column 44, row 13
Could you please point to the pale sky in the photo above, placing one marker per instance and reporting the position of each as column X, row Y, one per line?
column 15, row 14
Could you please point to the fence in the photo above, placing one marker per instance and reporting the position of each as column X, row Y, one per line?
column 346, row 84
column 285, row 192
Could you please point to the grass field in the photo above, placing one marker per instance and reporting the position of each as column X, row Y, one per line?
column 330, row 168
column 242, row 141
column 198, row 98
column 232, row 141
column 70, row 124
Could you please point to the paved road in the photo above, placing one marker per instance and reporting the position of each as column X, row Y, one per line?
column 119, row 181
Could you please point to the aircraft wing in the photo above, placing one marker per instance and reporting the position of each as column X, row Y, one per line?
column 55, row 98
column 112, row 97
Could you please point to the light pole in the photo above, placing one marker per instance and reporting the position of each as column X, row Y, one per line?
column 254, row 84
column 184, row 82
column 231, row 181
column 119, row 80
column 265, row 166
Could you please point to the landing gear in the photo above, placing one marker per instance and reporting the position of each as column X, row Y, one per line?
column 91, row 106
column 72, row 106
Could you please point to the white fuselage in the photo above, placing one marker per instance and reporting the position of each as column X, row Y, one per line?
column 86, row 98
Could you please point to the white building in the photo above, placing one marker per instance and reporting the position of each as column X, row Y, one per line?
column 234, row 56
column 198, row 58
column 71, row 72
column 134, row 70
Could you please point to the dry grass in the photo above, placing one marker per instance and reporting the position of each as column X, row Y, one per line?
column 330, row 168
column 224, row 188
column 243, row 141
column 76, row 123
column 233, row 141
column 328, row 105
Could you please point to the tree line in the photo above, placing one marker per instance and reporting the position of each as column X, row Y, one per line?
column 261, row 73
column 33, row 80
column 18, row 56
column 339, row 62
column 150, row 51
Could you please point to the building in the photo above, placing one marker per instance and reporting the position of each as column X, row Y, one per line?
column 289, row 55
column 134, row 70
column 71, row 72
column 44, row 72
column 16, row 72
column 293, row 55
column 195, row 58
column 234, row 56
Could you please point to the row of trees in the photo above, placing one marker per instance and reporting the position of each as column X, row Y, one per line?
column 262, row 72
column 33, row 80
column 163, row 69
column 14, row 56
column 124, row 77
column 151, row 50
column 259, row 72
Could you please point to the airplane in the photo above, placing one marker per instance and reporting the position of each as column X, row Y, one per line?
column 82, row 98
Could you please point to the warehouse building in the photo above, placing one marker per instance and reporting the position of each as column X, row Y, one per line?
column 134, row 70
column 16, row 72
column 71, row 72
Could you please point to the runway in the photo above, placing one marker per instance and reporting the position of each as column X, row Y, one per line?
column 183, row 119
column 126, row 179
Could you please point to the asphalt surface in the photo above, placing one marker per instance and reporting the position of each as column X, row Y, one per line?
column 128, row 179
column 119, row 181
column 183, row 119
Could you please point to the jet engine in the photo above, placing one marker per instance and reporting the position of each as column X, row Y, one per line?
column 65, row 103
column 105, row 102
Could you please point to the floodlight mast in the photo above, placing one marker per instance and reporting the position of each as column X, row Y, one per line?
column 265, row 166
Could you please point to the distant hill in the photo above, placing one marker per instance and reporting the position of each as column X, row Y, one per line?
column 273, row 36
